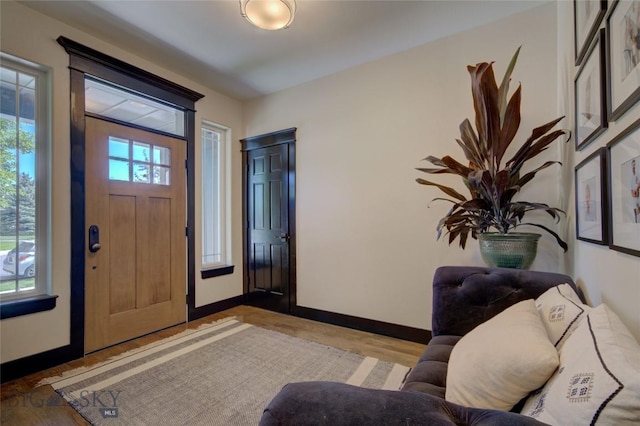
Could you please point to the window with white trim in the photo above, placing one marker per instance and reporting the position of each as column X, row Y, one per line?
column 24, row 179
column 215, row 250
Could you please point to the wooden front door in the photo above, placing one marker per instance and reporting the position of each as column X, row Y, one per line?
column 267, row 201
column 135, row 273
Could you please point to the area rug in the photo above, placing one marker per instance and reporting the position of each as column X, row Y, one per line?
column 223, row 374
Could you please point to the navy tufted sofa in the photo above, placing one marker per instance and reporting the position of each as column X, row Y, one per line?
column 463, row 297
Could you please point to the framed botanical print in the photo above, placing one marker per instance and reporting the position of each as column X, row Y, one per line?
column 624, row 180
column 590, row 99
column 623, row 59
column 591, row 199
column 587, row 15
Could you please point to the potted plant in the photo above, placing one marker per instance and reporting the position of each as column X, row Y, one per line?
column 493, row 182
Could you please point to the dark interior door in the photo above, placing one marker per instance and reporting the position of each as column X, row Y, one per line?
column 268, row 237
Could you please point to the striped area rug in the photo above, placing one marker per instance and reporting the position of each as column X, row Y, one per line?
column 223, row 374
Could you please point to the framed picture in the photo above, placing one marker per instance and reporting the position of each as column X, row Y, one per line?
column 590, row 96
column 587, row 15
column 624, row 178
column 591, row 198
column 623, row 60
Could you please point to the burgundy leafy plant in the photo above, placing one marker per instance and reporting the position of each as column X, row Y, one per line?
column 492, row 181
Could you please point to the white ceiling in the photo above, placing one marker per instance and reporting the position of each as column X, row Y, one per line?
column 209, row 42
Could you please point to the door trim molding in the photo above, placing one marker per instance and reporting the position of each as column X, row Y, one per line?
column 269, row 139
column 85, row 60
column 280, row 137
column 96, row 63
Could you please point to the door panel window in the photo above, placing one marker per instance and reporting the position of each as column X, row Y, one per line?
column 131, row 161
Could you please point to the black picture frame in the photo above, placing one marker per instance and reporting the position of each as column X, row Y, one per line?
column 624, row 193
column 591, row 199
column 623, row 58
column 587, row 15
column 590, row 94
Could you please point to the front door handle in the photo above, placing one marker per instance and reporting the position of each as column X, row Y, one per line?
column 94, row 238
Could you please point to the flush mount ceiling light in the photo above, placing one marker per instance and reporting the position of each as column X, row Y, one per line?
column 268, row 14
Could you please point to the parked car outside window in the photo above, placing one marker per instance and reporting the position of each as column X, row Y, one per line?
column 24, row 257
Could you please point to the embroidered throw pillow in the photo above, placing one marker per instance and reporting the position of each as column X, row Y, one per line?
column 598, row 380
column 499, row 362
column 561, row 311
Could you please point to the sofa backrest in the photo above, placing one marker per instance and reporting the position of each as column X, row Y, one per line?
column 466, row 296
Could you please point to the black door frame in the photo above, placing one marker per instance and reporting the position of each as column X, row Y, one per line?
column 280, row 137
column 83, row 61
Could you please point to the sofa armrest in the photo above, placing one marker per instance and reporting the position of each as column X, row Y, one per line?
column 336, row 404
column 466, row 296
column 429, row 375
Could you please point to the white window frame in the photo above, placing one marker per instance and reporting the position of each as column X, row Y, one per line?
column 43, row 174
column 216, row 231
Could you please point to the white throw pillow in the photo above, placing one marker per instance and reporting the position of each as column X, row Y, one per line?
column 561, row 311
column 599, row 377
column 499, row 362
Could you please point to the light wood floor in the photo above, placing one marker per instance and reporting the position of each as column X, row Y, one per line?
column 24, row 404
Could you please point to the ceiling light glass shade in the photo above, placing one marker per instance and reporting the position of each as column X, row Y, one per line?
column 268, row 14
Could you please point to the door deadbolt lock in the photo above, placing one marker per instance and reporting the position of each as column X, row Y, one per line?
column 94, row 238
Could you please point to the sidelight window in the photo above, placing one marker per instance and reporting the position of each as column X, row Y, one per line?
column 24, row 179
column 215, row 252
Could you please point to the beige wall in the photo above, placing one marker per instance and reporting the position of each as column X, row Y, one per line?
column 26, row 335
column 606, row 275
column 366, row 238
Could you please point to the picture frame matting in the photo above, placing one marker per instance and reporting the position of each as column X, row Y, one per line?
column 591, row 199
column 590, row 94
column 623, row 57
column 587, row 15
column 623, row 154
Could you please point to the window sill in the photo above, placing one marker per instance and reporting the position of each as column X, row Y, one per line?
column 27, row 305
column 216, row 272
